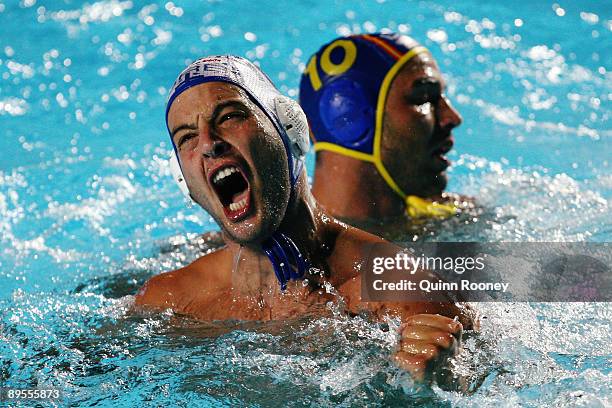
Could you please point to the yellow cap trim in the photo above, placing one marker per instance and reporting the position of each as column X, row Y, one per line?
column 417, row 207
column 344, row 151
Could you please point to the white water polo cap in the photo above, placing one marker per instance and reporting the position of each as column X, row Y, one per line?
column 285, row 113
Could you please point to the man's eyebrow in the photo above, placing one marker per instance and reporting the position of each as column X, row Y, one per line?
column 217, row 111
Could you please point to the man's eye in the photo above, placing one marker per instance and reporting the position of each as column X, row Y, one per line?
column 424, row 98
column 185, row 138
column 232, row 115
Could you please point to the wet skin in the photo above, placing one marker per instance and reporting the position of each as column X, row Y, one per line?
column 216, row 126
column 416, row 135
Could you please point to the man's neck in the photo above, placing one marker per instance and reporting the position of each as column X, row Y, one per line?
column 353, row 190
column 305, row 223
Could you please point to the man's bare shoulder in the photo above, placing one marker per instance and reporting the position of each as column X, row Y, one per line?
column 352, row 248
column 176, row 288
column 351, row 237
column 358, row 245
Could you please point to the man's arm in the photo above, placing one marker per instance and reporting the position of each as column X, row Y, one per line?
column 430, row 332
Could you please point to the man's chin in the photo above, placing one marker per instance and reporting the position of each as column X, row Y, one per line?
column 243, row 236
column 440, row 181
column 436, row 184
column 253, row 228
column 248, row 232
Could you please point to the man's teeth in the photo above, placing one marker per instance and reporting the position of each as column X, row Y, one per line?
column 224, row 173
column 239, row 205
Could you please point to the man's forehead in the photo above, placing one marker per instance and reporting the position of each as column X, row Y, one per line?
column 420, row 67
column 204, row 98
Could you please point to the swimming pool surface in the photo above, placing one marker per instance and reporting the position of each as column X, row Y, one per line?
column 88, row 211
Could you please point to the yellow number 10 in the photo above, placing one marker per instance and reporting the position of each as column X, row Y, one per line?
column 350, row 54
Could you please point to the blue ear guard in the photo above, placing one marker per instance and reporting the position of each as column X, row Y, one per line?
column 346, row 112
column 339, row 90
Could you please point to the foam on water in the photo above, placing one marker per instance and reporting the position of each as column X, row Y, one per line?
column 88, row 211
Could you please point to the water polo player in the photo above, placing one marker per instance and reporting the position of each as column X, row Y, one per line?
column 381, row 126
column 239, row 153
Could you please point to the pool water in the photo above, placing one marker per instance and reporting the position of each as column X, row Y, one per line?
column 88, row 211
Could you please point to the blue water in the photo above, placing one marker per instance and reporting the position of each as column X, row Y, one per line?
column 88, row 211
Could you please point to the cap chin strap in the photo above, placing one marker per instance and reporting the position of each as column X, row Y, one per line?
column 286, row 258
column 417, row 207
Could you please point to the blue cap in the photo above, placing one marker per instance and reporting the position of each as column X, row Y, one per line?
column 340, row 87
column 343, row 91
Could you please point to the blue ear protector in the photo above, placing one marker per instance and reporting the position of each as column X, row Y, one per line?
column 346, row 112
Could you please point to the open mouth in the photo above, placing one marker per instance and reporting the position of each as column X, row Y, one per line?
column 233, row 191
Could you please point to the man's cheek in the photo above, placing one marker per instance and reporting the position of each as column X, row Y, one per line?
column 200, row 194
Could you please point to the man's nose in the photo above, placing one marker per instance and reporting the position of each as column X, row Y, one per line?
column 217, row 149
column 448, row 117
column 211, row 145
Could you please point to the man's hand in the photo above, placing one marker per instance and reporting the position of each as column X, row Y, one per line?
column 427, row 341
